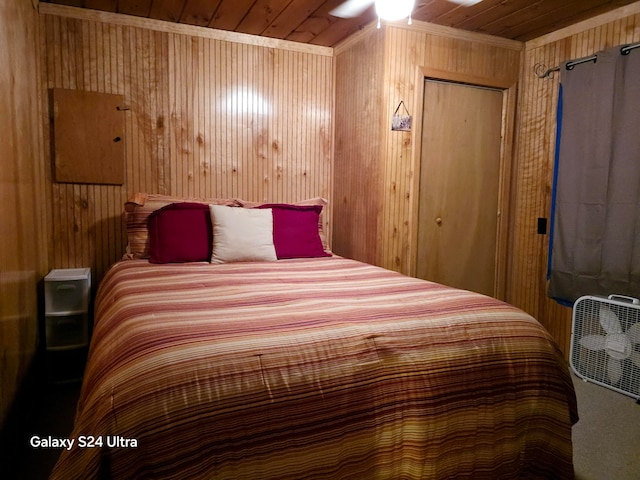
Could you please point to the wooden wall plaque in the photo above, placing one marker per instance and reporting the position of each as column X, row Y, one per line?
column 88, row 137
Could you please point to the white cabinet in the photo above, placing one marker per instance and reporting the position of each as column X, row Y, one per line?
column 66, row 296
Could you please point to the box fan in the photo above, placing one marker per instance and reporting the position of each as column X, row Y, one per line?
column 605, row 342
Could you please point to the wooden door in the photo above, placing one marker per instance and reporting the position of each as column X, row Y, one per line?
column 459, row 185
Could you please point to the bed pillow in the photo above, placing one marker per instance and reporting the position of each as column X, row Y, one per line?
column 316, row 201
column 136, row 217
column 295, row 230
column 242, row 234
column 180, row 232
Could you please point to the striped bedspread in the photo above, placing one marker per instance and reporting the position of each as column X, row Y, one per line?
column 314, row 368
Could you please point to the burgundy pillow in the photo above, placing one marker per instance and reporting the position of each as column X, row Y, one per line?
column 180, row 232
column 295, row 230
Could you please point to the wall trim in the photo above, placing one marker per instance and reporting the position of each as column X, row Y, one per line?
column 430, row 29
column 170, row 27
column 456, row 33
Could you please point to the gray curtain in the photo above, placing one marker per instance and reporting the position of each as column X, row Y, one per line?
column 595, row 243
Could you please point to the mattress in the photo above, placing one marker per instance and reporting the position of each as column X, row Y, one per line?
column 314, row 368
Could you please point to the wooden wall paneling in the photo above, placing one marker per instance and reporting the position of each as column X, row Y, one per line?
column 292, row 105
column 325, row 118
column 460, row 57
column 310, row 102
column 538, row 98
column 257, row 131
column 531, row 183
column 249, row 106
column 534, row 156
column 135, row 81
column 160, row 115
column 204, row 120
column 164, row 117
column 200, row 169
column 405, row 51
column 270, row 151
column 48, row 30
column 214, row 155
column 143, row 83
column 203, row 138
column 127, row 48
column 397, row 196
column 398, row 174
column 288, row 131
column 224, row 148
column 134, row 181
column 175, row 73
column 231, row 99
column 300, row 108
column 357, row 178
column 23, row 237
column 181, row 111
column 278, row 172
column 320, row 146
column 239, row 120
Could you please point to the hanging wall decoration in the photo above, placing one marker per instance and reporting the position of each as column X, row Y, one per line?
column 401, row 122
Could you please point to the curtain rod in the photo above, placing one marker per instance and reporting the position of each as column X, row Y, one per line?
column 569, row 66
column 626, row 49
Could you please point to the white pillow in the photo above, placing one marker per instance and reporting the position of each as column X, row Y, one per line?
column 242, row 234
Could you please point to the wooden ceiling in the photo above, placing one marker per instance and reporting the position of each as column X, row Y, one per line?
column 309, row 21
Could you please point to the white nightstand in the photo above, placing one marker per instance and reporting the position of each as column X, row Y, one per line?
column 67, row 293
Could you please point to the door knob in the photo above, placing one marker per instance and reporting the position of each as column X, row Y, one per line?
column 439, row 221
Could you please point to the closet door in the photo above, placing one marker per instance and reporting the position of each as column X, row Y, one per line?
column 459, row 185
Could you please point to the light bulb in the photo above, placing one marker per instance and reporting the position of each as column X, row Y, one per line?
column 391, row 10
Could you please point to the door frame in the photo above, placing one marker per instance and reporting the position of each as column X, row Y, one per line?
column 509, row 92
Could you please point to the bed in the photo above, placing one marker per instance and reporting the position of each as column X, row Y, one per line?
column 313, row 367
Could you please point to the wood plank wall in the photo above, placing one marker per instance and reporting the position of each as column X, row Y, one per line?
column 390, row 160
column 358, row 139
column 527, row 287
column 211, row 115
column 389, row 206
column 410, row 51
column 22, row 238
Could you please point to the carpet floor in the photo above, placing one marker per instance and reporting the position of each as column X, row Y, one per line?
column 606, row 440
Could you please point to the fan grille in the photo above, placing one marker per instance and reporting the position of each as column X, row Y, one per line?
column 594, row 365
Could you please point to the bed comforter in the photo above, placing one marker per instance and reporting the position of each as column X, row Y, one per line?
column 314, row 368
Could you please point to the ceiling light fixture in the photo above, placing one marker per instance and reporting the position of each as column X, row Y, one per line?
column 392, row 10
